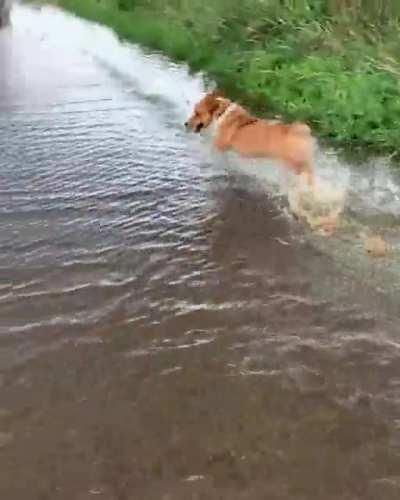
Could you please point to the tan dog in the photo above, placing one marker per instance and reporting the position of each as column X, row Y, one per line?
column 234, row 128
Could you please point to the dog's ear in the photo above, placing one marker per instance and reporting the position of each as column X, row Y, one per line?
column 217, row 93
column 221, row 104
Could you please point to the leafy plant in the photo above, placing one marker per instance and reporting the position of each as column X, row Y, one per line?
column 333, row 63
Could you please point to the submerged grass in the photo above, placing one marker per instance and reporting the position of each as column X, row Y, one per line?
column 333, row 63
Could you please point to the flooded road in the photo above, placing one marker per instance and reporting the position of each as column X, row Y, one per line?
column 167, row 331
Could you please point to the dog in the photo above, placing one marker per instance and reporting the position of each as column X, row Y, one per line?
column 234, row 128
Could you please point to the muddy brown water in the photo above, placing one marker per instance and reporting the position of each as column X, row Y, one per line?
column 166, row 331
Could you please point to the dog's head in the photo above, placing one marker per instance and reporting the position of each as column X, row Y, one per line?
column 207, row 110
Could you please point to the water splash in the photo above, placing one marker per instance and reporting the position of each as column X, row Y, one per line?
column 320, row 206
column 370, row 194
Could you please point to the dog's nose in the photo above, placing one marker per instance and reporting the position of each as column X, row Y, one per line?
column 186, row 124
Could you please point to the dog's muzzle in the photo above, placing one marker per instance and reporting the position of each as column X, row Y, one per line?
column 196, row 129
column 199, row 127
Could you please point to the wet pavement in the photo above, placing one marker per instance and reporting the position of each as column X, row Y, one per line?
column 166, row 330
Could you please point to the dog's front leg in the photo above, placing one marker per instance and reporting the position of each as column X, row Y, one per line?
column 221, row 142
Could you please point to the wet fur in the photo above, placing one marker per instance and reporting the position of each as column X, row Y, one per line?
column 234, row 128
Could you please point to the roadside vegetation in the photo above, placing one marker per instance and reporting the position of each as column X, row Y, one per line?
column 333, row 63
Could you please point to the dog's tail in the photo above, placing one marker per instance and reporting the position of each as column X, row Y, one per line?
column 300, row 128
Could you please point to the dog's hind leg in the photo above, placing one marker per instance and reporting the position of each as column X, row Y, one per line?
column 307, row 168
column 309, row 171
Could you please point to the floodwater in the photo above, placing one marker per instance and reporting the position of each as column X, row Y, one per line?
column 167, row 329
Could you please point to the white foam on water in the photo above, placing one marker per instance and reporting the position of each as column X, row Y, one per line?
column 320, row 206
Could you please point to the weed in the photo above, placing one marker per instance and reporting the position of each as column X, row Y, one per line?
column 332, row 63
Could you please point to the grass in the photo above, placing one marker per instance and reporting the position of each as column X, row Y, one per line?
column 333, row 63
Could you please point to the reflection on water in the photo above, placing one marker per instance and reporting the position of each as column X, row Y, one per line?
column 167, row 331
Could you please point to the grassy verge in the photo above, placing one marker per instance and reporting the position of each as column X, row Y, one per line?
column 333, row 63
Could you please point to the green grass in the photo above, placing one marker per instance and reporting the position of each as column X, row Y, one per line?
column 333, row 63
